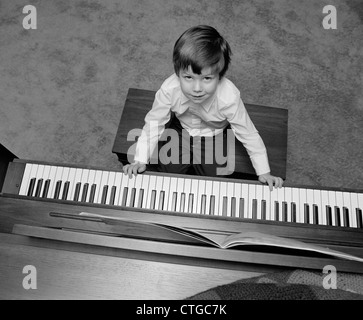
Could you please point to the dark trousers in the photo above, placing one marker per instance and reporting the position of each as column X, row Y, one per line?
column 184, row 154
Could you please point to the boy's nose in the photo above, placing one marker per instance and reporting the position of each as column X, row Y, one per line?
column 197, row 87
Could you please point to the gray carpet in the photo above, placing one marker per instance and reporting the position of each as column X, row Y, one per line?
column 62, row 86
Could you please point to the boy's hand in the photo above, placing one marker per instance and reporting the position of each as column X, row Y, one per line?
column 272, row 181
column 134, row 168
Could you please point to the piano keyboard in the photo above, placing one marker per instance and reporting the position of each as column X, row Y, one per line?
column 195, row 195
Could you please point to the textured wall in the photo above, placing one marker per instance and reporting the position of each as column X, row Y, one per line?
column 62, row 86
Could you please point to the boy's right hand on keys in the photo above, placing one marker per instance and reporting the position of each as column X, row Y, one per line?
column 134, row 168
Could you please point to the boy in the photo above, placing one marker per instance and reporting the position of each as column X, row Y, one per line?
column 201, row 103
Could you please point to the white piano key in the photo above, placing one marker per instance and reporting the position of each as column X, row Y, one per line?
column 280, row 200
column 145, row 187
column 64, row 179
column 302, row 201
column 158, row 188
column 354, row 206
column 24, row 185
column 288, row 200
column 180, row 190
column 46, row 173
column 274, row 199
column 91, row 180
column 347, row 204
column 295, row 207
column 138, row 186
column 33, row 174
column 310, row 202
column 324, row 203
column 216, row 197
column 166, row 189
column 230, row 193
column 244, row 195
column 151, row 201
column 237, row 195
column 332, row 202
column 222, row 209
column 83, row 180
column 317, row 203
column 38, row 176
column 340, row 204
column 251, row 196
column 187, row 191
column 110, row 184
column 172, row 198
column 58, row 177
column 118, row 179
column 194, row 192
column 259, row 198
column 130, row 193
column 99, row 178
column 77, row 179
column 124, row 184
column 201, row 192
column 52, row 178
column 267, row 198
column 208, row 193
column 71, row 177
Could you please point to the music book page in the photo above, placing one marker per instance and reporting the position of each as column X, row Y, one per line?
column 233, row 240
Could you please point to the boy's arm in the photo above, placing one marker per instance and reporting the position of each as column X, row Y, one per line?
column 246, row 132
column 155, row 121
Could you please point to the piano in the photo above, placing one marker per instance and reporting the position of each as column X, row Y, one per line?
column 40, row 204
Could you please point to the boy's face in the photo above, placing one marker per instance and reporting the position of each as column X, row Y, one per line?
column 198, row 87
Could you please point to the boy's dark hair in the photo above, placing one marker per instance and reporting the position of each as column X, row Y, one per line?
column 200, row 47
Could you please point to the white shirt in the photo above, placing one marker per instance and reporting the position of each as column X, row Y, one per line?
column 206, row 119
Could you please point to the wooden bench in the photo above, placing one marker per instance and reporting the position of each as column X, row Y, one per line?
column 270, row 122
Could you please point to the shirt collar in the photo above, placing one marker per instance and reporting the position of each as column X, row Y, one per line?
column 206, row 105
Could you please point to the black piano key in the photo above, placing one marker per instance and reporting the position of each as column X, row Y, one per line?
column 31, row 187
column 315, row 214
column 182, row 202
column 277, row 211
column 132, row 197
column 203, row 204
column 65, row 190
column 38, row 188
column 92, row 193
column 233, row 207
column 359, row 215
column 124, row 196
column 284, row 211
column 57, row 189
column 306, row 213
column 293, row 212
column 345, row 217
column 224, row 206
column 46, row 188
column 241, row 207
column 77, row 191
column 263, row 210
column 191, row 201
column 84, row 192
column 254, row 209
column 212, row 205
column 153, row 199
column 337, row 216
column 104, row 194
column 161, row 200
column 174, row 199
column 141, row 198
column 329, row 216
column 112, row 196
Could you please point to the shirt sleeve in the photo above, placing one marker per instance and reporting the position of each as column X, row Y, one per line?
column 245, row 131
column 155, row 121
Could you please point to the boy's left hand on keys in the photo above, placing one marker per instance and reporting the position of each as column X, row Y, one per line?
column 271, row 180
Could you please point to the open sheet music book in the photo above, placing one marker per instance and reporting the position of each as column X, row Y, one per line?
column 228, row 241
